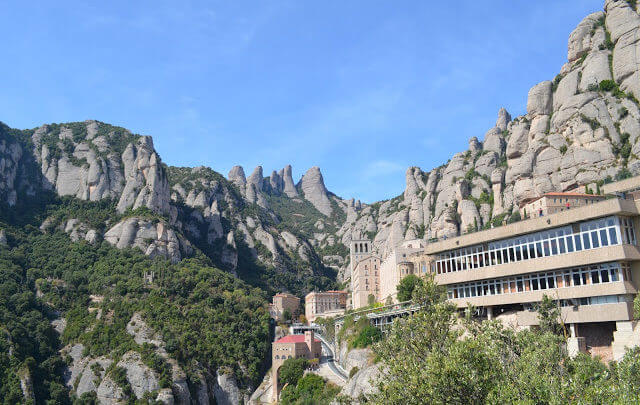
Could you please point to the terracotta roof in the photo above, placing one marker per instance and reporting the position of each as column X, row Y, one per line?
column 293, row 339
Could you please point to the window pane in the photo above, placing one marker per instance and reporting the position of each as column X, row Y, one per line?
column 603, row 237
column 585, row 241
column 578, row 242
column 613, row 237
column 604, row 274
column 594, row 239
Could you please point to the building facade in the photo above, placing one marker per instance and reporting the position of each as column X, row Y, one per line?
column 358, row 250
column 324, row 304
column 284, row 302
column 365, row 281
column 551, row 203
column 396, row 266
column 587, row 259
column 291, row 347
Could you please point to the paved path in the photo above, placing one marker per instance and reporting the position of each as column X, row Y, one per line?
column 329, row 361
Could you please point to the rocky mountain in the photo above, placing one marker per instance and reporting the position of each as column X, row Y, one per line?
column 580, row 129
column 105, row 187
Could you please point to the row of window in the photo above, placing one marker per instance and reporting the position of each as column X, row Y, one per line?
column 578, row 276
column 592, row 235
column 599, row 300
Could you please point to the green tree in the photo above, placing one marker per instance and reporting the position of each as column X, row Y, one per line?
column 406, row 286
column 549, row 316
column 292, row 370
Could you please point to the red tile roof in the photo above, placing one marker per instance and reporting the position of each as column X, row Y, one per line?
column 293, row 339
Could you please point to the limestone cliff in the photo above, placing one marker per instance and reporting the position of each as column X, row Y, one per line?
column 582, row 128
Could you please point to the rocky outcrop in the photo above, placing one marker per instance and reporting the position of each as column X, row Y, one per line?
column 153, row 238
column 288, row 187
column 623, row 23
column 226, row 390
column 237, row 177
column 10, row 156
column 571, row 135
column 314, row 190
column 363, row 383
column 80, row 161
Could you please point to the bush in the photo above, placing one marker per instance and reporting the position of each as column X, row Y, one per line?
column 311, row 389
column 353, row 371
column 368, row 336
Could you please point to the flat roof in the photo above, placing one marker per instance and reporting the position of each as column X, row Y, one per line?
column 604, row 208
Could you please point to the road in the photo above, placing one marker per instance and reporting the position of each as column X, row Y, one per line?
column 329, row 360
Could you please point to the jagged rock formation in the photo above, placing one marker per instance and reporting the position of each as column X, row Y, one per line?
column 581, row 128
column 314, row 190
column 87, row 374
column 155, row 239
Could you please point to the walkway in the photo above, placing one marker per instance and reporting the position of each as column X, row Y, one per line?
column 328, row 360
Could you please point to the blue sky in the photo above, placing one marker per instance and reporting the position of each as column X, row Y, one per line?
column 363, row 89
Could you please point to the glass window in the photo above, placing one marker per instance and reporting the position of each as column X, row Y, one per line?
column 585, row 240
column 594, row 239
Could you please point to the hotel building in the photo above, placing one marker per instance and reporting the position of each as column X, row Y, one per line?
column 586, row 258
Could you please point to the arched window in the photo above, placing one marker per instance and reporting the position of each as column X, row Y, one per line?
column 366, row 247
column 355, row 247
column 277, row 357
column 289, row 356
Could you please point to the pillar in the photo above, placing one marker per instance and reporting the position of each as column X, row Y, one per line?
column 489, row 313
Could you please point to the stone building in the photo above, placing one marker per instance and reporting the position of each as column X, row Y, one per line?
column 396, row 266
column 292, row 347
column 365, row 281
column 284, row 302
column 550, row 203
column 324, row 304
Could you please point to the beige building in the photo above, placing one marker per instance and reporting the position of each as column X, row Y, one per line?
column 324, row 304
column 586, row 258
column 284, row 302
column 291, row 347
column 396, row 266
column 365, row 281
column 551, row 203
column 358, row 250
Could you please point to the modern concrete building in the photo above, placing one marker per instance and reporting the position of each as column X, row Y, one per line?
column 291, row 347
column 324, row 304
column 365, row 281
column 550, row 203
column 586, row 258
column 284, row 302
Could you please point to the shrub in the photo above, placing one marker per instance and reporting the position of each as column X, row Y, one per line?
column 607, row 85
column 353, row 371
column 563, row 149
column 368, row 336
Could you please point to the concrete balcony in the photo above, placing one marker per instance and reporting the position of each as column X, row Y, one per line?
column 622, row 311
column 584, row 257
column 594, row 290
